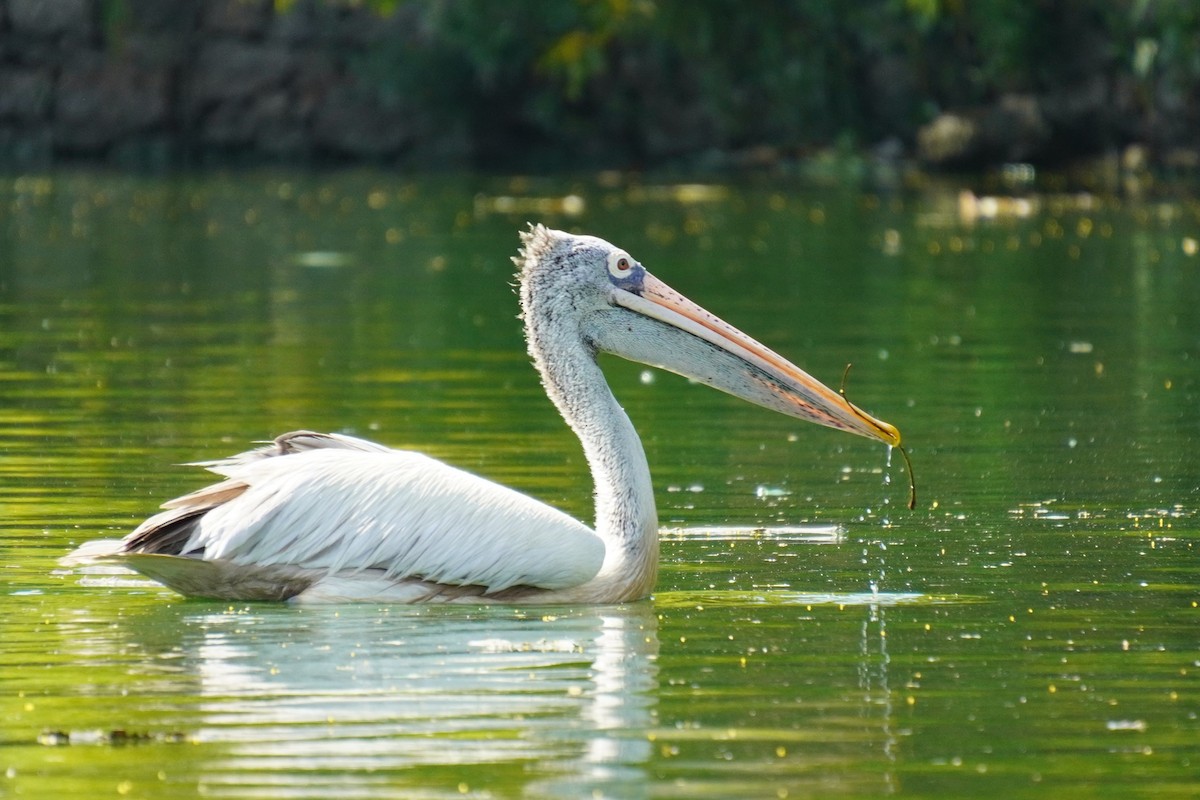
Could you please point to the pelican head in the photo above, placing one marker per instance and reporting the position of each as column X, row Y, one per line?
column 583, row 289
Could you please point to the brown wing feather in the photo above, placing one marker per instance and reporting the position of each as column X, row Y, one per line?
column 167, row 532
column 210, row 496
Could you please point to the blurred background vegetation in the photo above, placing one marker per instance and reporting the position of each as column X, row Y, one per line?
column 527, row 84
column 643, row 81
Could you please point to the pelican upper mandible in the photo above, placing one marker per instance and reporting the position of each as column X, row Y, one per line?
column 318, row 517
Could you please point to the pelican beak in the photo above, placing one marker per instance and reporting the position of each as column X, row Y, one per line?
column 715, row 353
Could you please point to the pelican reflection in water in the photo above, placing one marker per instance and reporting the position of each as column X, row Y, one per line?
column 318, row 517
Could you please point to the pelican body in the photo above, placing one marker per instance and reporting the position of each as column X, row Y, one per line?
column 316, row 517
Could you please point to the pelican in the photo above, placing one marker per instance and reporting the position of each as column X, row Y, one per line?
column 324, row 517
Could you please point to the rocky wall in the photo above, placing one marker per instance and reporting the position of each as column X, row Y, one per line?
column 161, row 82
column 529, row 85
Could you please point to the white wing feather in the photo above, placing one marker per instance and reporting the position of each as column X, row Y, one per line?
column 340, row 510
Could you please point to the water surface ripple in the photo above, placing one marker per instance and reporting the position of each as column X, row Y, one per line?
column 1030, row 630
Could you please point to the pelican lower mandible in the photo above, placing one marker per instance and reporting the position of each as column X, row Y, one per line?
column 316, row 517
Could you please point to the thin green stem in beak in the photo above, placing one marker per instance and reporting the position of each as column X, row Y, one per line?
column 912, row 484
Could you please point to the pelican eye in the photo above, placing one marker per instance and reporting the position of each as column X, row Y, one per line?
column 619, row 264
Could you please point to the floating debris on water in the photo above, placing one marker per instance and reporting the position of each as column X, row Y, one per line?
column 815, row 534
column 53, row 738
column 770, row 596
column 682, row 193
column 571, row 205
column 973, row 207
column 114, row 737
column 540, row 646
column 323, row 259
column 1137, row 725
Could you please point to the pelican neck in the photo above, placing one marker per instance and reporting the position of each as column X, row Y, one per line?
column 626, row 518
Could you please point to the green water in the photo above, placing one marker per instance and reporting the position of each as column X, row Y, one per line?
column 1031, row 630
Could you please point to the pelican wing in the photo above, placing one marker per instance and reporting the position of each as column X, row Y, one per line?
column 344, row 510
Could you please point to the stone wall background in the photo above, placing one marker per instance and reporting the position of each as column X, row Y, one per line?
column 547, row 84
column 160, row 82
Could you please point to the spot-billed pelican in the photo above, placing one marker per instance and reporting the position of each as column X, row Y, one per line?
column 316, row 517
